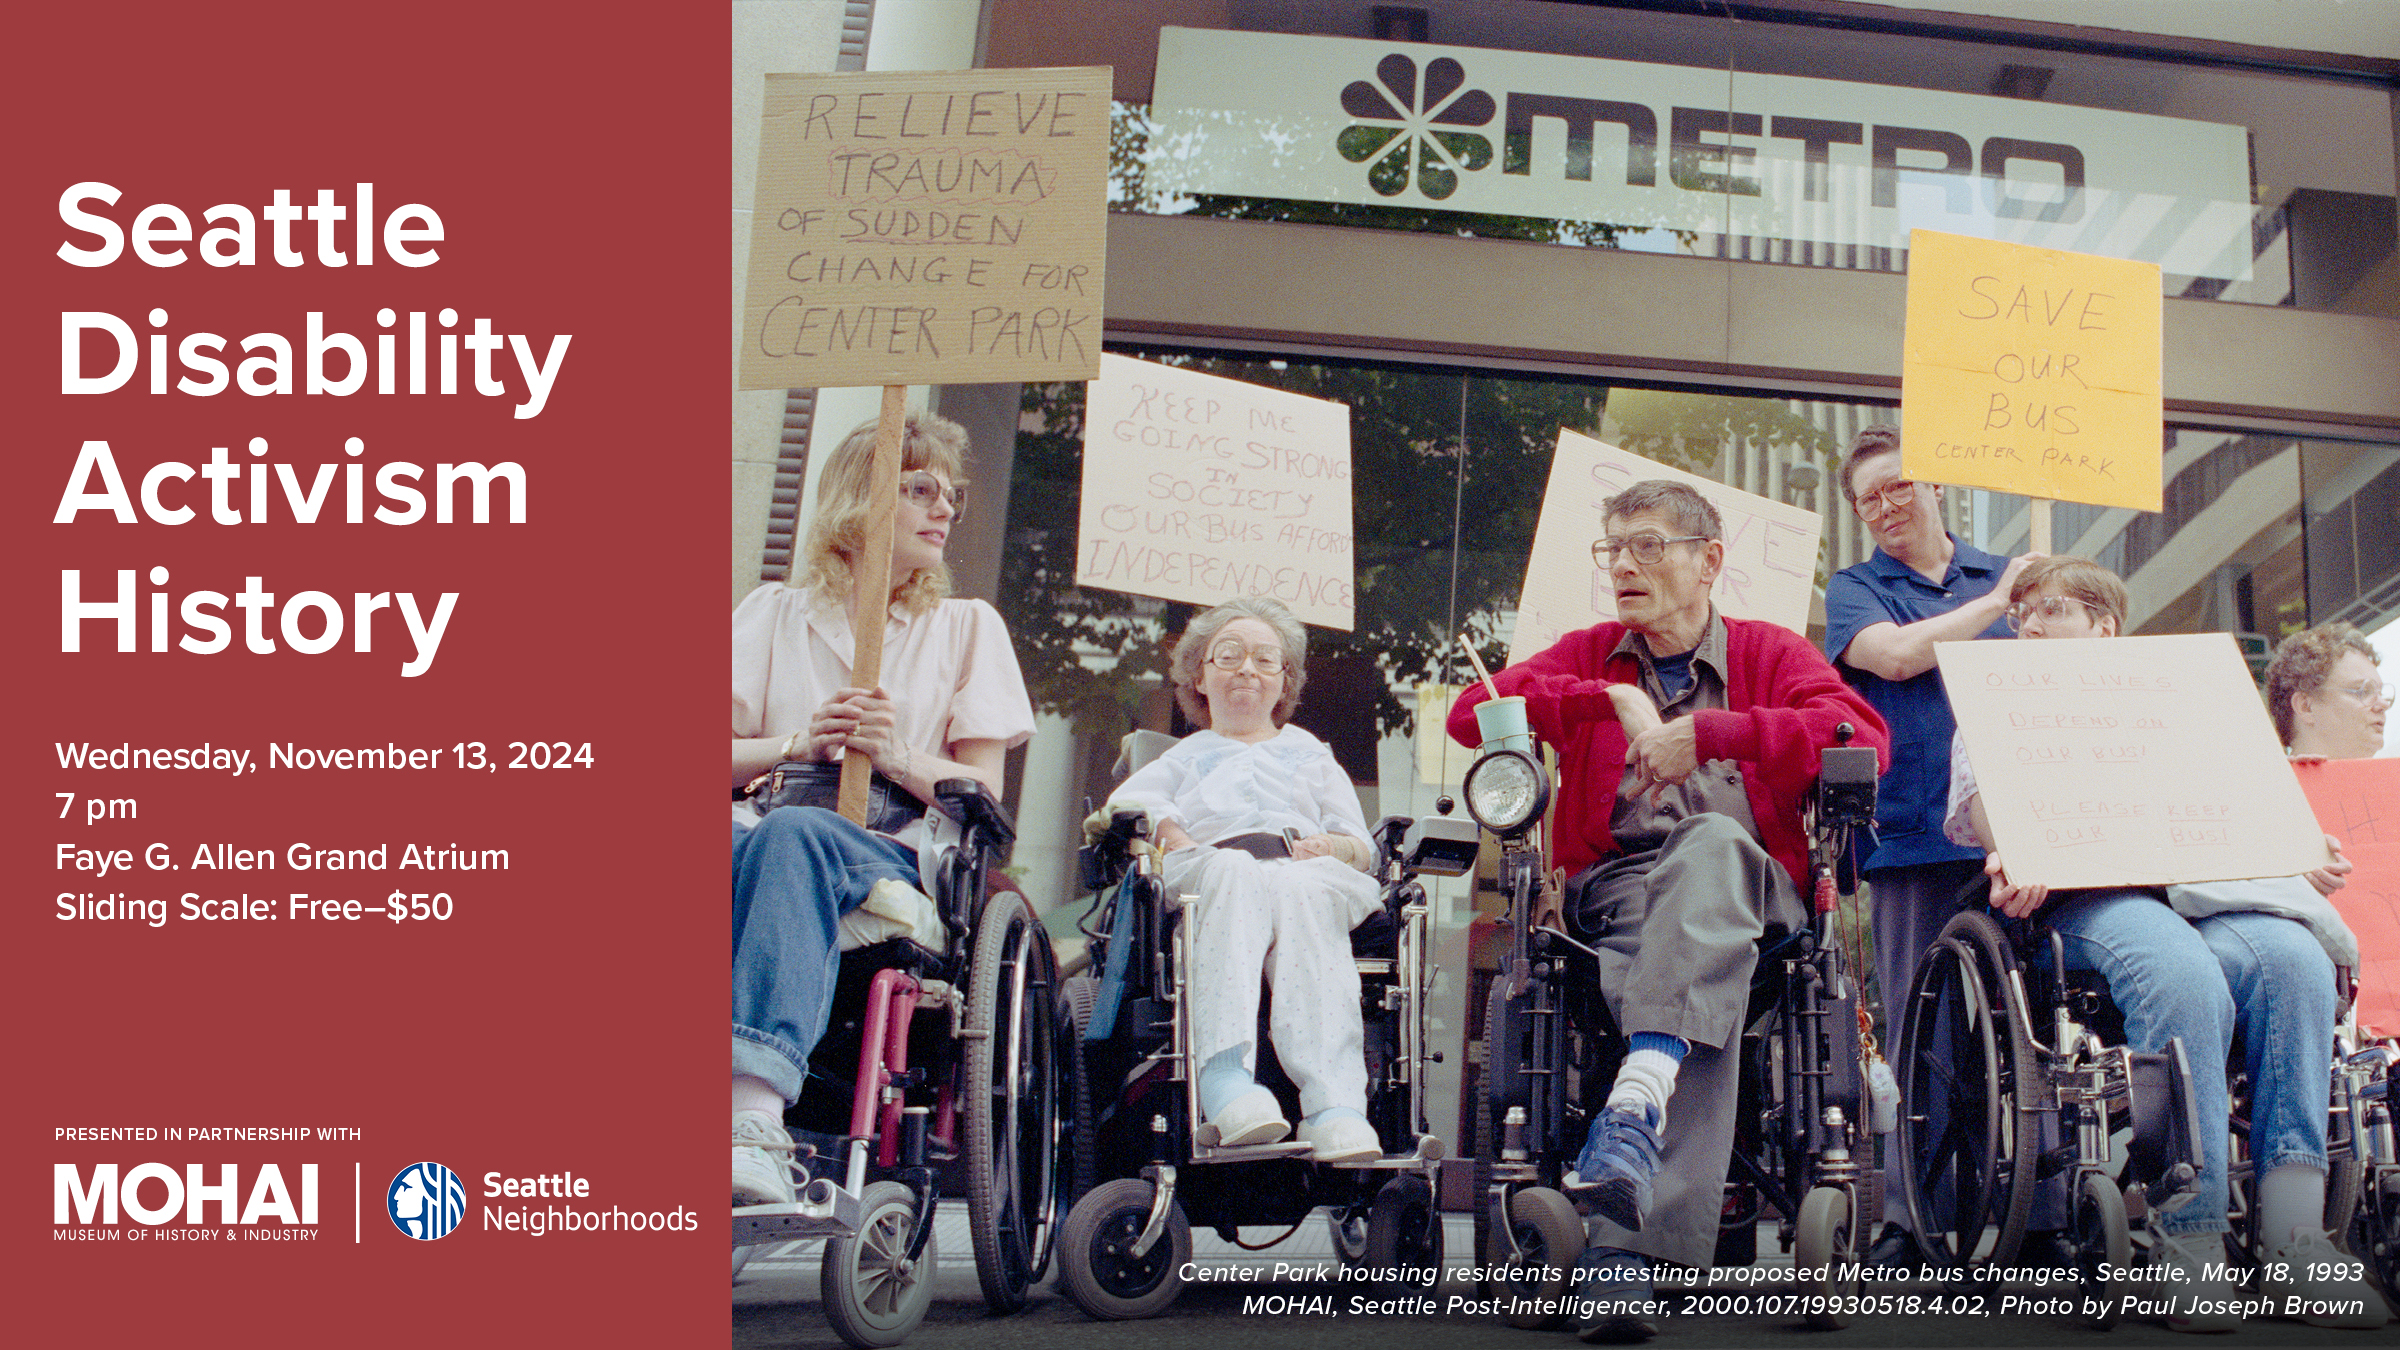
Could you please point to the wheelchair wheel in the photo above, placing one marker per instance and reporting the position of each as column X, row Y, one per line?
column 874, row 1295
column 1096, row 1263
column 1549, row 1236
column 1349, row 1228
column 1078, row 997
column 1962, row 1057
column 2375, row 1231
column 1404, row 1232
column 2101, row 1245
column 1011, row 1099
column 1825, row 1256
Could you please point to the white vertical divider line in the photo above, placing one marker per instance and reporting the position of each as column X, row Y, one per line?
column 358, row 1201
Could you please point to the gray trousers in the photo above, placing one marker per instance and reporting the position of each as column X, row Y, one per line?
column 1677, row 930
column 1910, row 906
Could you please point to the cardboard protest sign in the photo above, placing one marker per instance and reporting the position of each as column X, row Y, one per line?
column 924, row 227
column 2358, row 802
column 2128, row 761
column 2032, row 371
column 1770, row 547
column 1200, row 488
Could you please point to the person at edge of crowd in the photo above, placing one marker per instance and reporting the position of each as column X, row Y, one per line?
column 2327, row 694
column 1686, row 742
column 1282, row 879
column 2200, row 962
column 950, row 704
column 1922, row 585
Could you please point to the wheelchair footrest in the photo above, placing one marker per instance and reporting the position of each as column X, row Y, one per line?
column 833, row 1216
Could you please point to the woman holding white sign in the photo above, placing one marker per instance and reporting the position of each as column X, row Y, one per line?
column 950, row 705
column 1284, row 875
column 2250, row 959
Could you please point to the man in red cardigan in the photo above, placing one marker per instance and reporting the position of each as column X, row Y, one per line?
column 1686, row 741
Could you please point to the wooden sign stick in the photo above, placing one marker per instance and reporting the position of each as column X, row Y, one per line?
column 871, row 581
column 2037, row 522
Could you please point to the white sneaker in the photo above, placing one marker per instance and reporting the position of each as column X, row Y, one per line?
column 1254, row 1117
column 2312, row 1279
column 2203, row 1297
column 1341, row 1139
column 762, row 1161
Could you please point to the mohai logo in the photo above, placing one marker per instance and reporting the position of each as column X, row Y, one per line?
column 1403, row 123
column 156, row 1193
column 426, row 1200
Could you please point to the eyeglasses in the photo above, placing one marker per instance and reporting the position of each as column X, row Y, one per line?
column 920, row 489
column 2051, row 608
column 1231, row 655
column 1646, row 548
column 2368, row 694
column 1889, row 497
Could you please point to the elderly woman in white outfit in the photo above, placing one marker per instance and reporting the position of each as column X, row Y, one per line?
column 1264, row 832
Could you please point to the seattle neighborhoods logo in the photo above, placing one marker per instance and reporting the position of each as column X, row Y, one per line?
column 1407, row 115
column 426, row 1200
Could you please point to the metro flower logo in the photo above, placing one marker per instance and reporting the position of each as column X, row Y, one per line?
column 1410, row 113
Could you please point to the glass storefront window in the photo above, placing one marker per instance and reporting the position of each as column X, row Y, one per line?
column 2277, row 189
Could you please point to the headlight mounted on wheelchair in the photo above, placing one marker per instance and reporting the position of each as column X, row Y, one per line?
column 1506, row 791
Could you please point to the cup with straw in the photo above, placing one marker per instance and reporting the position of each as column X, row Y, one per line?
column 1499, row 718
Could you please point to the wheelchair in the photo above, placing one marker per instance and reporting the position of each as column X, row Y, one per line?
column 939, row 1073
column 2363, row 1087
column 2002, row 1049
column 1147, row 1171
column 1802, row 1141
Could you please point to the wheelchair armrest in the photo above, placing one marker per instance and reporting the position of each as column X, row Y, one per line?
column 1442, row 846
column 970, row 803
column 1100, row 863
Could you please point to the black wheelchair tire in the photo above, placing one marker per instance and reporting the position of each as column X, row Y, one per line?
column 1404, row 1233
column 2102, row 1242
column 2375, row 1233
column 874, row 1296
column 1096, row 1271
column 1010, row 1094
column 1348, row 1228
column 1825, row 1255
column 1549, row 1237
column 1968, row 967
column 1079, row 995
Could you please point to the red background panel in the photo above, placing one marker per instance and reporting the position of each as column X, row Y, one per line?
column 569, row 1016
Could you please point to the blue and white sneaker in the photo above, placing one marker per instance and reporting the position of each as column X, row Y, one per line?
column 1618, row 1164
column 1623, row 1306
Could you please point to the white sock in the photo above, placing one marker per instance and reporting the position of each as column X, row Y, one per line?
column 755, row 1094
column 1646, row 1079
column 2291, row 1199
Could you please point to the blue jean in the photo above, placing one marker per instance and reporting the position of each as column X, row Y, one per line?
column 2198, row 980
column 795, row 874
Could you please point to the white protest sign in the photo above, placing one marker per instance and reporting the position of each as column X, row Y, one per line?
column 1770, row 547
column 1200, row 488
column 2128, row 761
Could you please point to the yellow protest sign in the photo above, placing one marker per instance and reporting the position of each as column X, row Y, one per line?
column 2032, row 371
column 928, row 227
